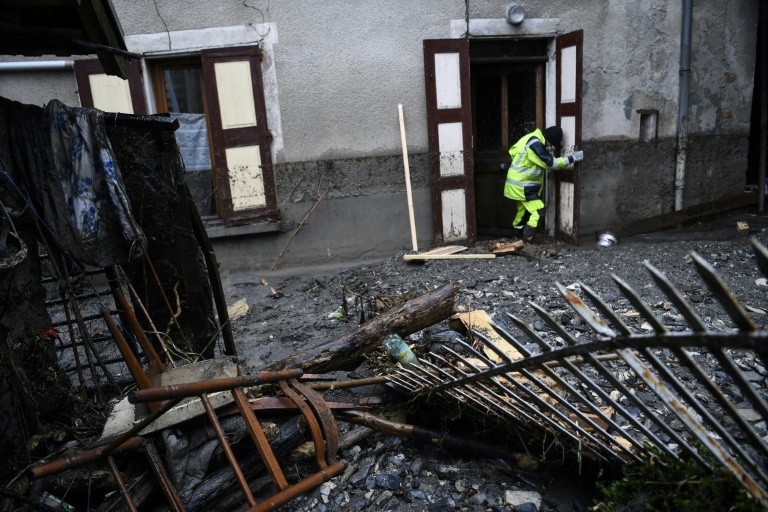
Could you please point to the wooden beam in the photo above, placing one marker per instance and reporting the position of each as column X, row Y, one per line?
column 347, row 351
column 421, row 257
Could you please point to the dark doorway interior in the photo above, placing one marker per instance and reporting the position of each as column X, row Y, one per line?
column 507, row 83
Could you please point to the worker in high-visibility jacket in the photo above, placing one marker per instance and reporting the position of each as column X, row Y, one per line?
column 525, row 177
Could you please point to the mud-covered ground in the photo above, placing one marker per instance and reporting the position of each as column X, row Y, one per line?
column 289, row 309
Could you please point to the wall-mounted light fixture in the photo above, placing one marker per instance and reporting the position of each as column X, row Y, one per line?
column 515, row 14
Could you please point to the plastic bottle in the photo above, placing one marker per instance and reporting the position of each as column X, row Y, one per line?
column 399, row 351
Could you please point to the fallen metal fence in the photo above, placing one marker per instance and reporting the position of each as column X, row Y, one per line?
column 621, row 393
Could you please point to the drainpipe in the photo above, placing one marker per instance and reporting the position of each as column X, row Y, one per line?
column 763, row 13
column 37, row 65
column 682, row 109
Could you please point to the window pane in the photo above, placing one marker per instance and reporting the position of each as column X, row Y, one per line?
column 184, row 94
column 184, row 91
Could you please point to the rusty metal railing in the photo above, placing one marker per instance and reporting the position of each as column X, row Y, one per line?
column 316, row 413
column 621, row 391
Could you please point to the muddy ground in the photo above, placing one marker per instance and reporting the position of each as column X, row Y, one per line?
column 290, row 308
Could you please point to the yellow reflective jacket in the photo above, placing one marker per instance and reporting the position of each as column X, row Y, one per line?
column 530, row 159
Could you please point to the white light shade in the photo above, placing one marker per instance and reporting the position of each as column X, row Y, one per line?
column 515, row 14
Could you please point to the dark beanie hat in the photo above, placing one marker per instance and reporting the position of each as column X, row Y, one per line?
column 554, row 135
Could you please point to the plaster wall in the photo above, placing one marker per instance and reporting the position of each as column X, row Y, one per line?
column 345, row 230
column 632, row 61
column 342, row 68
column 37, row 87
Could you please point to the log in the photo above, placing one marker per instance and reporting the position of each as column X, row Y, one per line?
column 219, row 484
column 346, row 352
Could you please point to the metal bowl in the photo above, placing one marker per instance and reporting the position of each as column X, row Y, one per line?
column 607, row 239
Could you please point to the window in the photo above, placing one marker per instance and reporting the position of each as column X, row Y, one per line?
column 178, row 89
column 218, row 98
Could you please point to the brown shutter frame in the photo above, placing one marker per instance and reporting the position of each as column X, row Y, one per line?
column 85, row 68
column 222, row 139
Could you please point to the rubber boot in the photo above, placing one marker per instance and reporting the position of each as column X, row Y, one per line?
column 528, row 233
column 518, row 232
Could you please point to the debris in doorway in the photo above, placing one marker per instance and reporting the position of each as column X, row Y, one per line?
column 502, row 248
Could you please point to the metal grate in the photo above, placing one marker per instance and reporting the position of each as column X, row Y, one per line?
column 621, row 392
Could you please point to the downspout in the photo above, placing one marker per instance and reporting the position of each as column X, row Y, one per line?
column 37, row 65
column 682, row 109
column 763, row 14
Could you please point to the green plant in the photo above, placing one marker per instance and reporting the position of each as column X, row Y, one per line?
column 663, row 483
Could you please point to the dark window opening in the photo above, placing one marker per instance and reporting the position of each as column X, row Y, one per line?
column 179, row 91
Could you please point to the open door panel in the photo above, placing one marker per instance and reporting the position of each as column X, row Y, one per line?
column 568, row 115
column 449, row 125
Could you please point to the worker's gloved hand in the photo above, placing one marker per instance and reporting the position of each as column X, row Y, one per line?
column 577, row 156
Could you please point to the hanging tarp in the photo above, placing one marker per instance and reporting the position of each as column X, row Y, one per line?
column 63, row 163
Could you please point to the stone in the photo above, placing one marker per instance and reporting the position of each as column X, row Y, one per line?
column 389, row 481
column 515, row 498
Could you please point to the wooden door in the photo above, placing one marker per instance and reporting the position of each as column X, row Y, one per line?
column 568, row 114
column 449, row 125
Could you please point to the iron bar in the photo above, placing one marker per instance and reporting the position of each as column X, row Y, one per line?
column 141, row 379
column 86, row 336
column 576, row 393
column 209, row 386
column 163, row 478
column 129, row 504
column 314, row 426
column 678, row 387
column 260, row 439
column 155, row 363
column 230, row 456
column 299, row 488
column 76, row 355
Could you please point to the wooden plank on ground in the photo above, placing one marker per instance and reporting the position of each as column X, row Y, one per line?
column 480, row 321
column 500, row 249
column 423, row 257
column 446, row 249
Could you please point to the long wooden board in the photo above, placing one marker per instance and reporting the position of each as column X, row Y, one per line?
column 420, row 257
column 447, row 252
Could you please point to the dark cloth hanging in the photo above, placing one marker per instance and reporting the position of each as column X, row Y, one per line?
column 63, row 162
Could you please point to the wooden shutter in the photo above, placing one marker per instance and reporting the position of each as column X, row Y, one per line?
column 449, row 125
column 242, row 161
column 568, row 114
column 110, row 93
